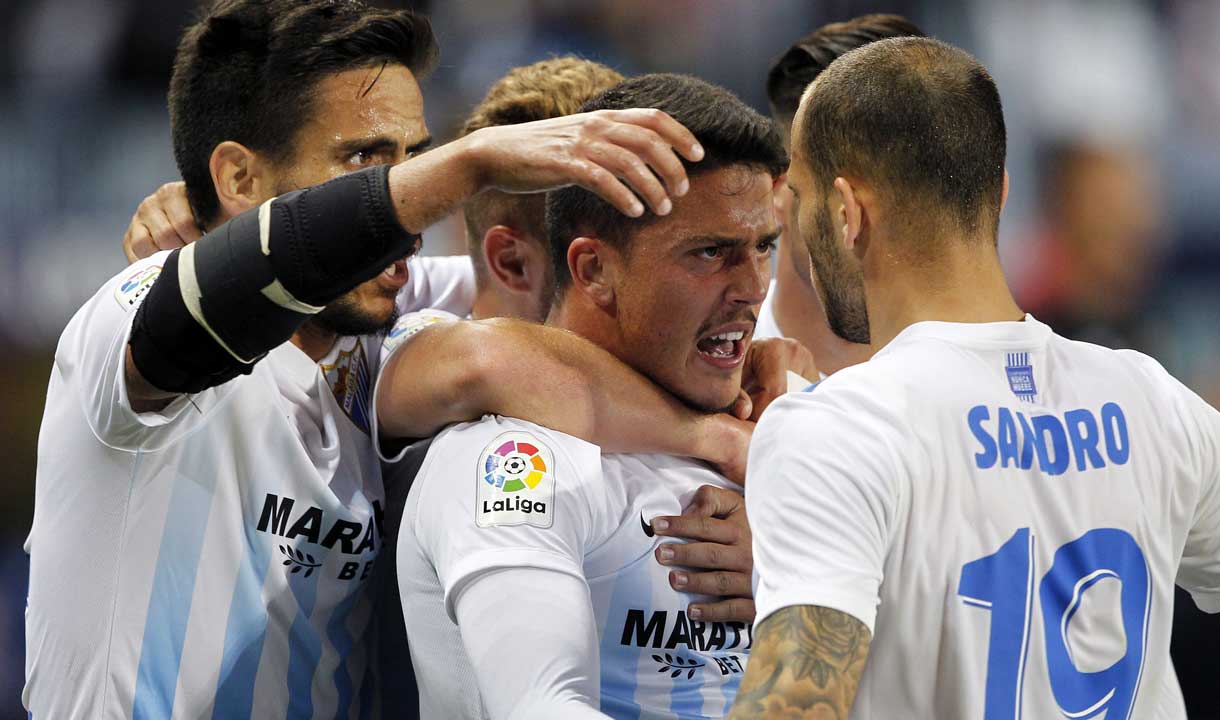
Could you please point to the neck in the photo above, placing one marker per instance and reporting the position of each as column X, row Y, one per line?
column 486, row 305
column 800, row 315
column 577, row 314
column 314, row 340
column 964, row 284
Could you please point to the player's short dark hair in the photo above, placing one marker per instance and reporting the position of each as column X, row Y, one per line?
column 792, row 72
column 247, row 70
column 919, row 119
column 730, row 132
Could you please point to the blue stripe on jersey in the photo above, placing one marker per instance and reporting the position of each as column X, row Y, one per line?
column 341, row 638
column 618, row 698
column 169, row 604
column 304, row 646
column 686, row 696
column 730, row 687
column 244, row 634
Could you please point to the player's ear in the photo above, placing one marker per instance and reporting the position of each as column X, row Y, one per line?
column 851, row 215
column 592, row 269
column 505, row 253
column 239, row 176
column 1004, row 191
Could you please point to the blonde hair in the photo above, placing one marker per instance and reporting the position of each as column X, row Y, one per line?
column 546, row 89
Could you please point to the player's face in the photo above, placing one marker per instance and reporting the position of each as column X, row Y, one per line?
column 363, row 117
column 688, row 298
column 840, row 280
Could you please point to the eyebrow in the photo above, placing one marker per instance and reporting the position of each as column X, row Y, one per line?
column 729, row 240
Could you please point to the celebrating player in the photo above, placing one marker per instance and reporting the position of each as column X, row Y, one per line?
column 795, row 304
column 524, row 556
column 205, row 469
column 992, row 515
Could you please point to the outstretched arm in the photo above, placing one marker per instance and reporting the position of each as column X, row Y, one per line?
column 223, row 302
column 456, row 371
column 806, row 663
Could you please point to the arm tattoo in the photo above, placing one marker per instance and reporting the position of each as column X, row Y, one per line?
column 806, row 663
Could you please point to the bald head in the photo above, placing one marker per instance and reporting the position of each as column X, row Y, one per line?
column 918, row 120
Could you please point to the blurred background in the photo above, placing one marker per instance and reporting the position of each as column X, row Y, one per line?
column 1111, row 233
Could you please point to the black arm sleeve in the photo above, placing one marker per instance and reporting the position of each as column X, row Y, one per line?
column 221, row 303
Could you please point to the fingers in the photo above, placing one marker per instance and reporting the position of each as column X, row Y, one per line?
column 628, row 166
column 596, row 179
column 706, row 555
column 743, row 407
column 658, row 154
column 153, row 217
column 137, row 241
column 732, row 609
column 713, row 501
column 716, row 582
column 767, row 369
column 671, row 131
column 163, row 221
column 177, row 209
column 699, row 527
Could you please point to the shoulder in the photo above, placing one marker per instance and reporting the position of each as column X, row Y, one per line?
column 499, row 456
column 871, row 393
column 409, row 325
column 119, row 296
column 101, row 324
column 853, row 427
column 129, row 286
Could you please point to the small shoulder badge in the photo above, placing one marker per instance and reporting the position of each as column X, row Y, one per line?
column 135, row 286
column 1021, row 376
column 409, row 325
column 516, row 482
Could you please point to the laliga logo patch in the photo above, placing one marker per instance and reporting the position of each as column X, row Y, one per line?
column 135, row 286
column 409, row 325
column 515, row 482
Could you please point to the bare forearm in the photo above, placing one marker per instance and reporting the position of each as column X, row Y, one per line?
column 427, row 188
column 806, row 663
column 460, row 371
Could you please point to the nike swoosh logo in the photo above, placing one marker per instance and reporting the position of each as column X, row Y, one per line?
column 647, row 526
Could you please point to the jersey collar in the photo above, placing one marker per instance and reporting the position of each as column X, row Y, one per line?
column 1022, row 333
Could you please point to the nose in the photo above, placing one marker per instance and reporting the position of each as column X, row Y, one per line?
column 751, row 281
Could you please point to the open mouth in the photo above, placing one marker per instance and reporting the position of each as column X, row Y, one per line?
column 724, row 349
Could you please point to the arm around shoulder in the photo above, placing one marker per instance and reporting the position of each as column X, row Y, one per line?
column 457, row 371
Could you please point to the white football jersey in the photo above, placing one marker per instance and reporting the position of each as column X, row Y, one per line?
column 439, row 282
column 209, row 559
column 1006, row 509
column 767, row 327
column 503, row 493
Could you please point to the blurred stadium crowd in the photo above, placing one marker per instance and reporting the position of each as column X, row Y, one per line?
column 1111, row 233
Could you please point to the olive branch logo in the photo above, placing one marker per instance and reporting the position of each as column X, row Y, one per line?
column 298, row 560
column 675, row 665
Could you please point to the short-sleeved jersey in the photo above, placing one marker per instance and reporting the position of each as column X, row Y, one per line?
column 1008, row 510
column 440, row 283
column 503, row 493
column 208, row 559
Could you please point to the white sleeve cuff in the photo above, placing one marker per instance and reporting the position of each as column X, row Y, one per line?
column 860, row 607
